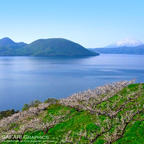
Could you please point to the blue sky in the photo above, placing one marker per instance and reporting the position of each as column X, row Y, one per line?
column 92, row 23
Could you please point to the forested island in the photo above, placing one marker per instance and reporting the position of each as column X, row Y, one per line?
column 53, row 47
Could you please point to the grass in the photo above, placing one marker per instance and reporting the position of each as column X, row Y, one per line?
column 118, row 120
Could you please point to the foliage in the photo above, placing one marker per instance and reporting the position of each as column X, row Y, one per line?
column 7, row 113
column 44, row 47
column 34, row 103
column 51, row 100
column 117, row 119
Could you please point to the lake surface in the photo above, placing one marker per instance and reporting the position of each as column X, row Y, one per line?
column 23, row 79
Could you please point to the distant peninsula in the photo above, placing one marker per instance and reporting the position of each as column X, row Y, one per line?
column 52, row 47
column 138, row 50
column 126, row 46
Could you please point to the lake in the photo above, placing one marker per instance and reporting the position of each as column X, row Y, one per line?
column 23, row 79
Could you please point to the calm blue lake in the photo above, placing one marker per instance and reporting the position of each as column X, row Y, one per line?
column 23, row 79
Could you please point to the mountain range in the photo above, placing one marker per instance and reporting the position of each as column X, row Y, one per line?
column 126, row 43
column 44, row 47
column 122, row 47
column 59, row 47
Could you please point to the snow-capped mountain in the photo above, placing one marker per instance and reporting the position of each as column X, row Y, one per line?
column 126, row 43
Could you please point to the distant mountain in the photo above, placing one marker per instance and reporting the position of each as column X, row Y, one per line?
column 10, row 48
column 7, row 42
column 21, row 44
column 44, row 47
column 125, row 43
column 139, row 50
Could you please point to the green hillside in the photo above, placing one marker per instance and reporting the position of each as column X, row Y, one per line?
column 54, row 47
column 10, row 48
column 110, row 114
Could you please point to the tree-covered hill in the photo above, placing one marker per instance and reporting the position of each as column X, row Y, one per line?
column 54, row 47
column 10, row 48
column 110, row 114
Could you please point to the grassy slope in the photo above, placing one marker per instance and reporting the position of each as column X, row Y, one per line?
column 125, row 126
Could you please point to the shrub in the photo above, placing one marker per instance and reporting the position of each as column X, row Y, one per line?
column 51, row 100
column 32, row 104
column 7, row 113
column 25, row 107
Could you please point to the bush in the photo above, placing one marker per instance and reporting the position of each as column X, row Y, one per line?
column 25, row 107
column 35, row 103
column 51, row 100
column 7, row 113
column 32, row 104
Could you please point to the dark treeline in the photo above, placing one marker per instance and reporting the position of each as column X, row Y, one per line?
column 7, row 113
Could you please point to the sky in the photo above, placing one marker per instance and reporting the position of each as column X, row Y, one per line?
column 91, row 23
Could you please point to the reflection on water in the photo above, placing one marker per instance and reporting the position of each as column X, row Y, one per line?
column 23, row 79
